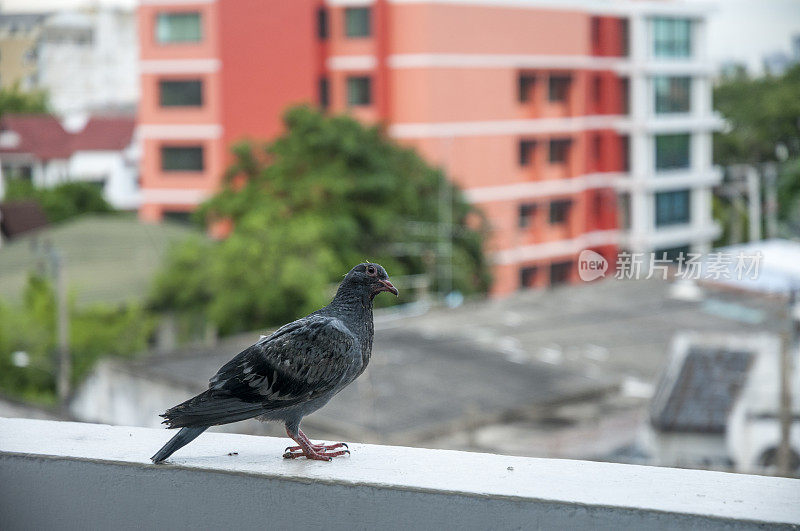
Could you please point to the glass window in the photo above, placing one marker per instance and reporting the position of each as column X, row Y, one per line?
column 672, row 37
column 182, row 158
column 672, row 151
column 673, row 254
column 672, row 94
column 559, row 272
column 324, row 93
column 322, row 23
column 525, row 86
column 359, row 91
column 526, row 213
column 559, row 211
column 178, row 27
column 672, row 208
column 558, row 88
column 357, row 22
column 526, row 149
column 188, row 93
column 559, row 151
column 527, row 277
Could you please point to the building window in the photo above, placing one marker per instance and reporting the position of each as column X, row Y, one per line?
column 559, row 272
column 324, row 92
column 672, row 37
column 526, row 213
column 357, row 22
column 672, row 253
column 559, row 151
column 559, row 211
column 322, row 23
column 178, row 27
column 525, row 86
column 558, row 88
column 672, row 94
column 184, row 93
column 672, row 151
column 526, row 150
column 672, row 208
column 527, row 277
column 359, row 91
column 182, row 158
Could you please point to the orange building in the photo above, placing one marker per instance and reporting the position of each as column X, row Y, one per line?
column 552, row 116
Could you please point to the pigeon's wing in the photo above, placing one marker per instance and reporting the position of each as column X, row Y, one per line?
column 299, row 362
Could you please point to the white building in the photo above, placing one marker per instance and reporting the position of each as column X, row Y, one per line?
column 88, row 60
column 666, row 199
column 102, row 150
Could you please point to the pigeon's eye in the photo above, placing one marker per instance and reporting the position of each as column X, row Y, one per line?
column 372, row 270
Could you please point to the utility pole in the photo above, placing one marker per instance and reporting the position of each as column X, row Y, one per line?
column 62, row 319
column 753, row 203
column 790, row 337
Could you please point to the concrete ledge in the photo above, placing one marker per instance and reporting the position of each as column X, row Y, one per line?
column 93, row 476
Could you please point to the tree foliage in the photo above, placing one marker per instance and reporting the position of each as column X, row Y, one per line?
column 763, row 118
column 761, row 113
column 60, row 202
column 326, row 195
column 95, row 332
column 15, row 100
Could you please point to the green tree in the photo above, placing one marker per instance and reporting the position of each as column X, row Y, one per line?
column 326, row 195
column 60, row 202
column 95, row 332
column 15, row 100
column 763, row 119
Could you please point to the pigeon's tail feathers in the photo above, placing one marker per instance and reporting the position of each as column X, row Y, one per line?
column 181, row 439
column 209, row 409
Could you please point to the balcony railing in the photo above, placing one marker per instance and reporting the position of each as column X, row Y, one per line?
column 71, row 475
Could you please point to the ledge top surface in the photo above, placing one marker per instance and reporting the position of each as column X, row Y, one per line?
column 680, row 491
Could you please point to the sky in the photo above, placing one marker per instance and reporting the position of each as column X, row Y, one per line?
column 740, row 30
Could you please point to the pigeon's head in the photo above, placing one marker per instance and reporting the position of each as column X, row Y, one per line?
column 370, row 278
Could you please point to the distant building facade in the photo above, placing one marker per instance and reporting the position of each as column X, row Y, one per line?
column 574, row 125
column 88, row 60
column 19, row 38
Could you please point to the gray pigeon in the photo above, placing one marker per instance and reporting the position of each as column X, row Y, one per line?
column 291, row 373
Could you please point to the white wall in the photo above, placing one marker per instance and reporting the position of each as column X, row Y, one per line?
column 121, row 189
column 103, row 73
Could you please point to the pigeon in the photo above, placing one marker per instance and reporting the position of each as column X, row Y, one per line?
column 291, row 373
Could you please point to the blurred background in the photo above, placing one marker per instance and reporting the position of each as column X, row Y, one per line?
column 591, row 209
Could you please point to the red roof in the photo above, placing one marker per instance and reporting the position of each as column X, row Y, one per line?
column 38, row 134
column 43, row 136
column 105, row 133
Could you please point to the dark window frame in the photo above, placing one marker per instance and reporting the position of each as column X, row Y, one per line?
column 558, row 150
column 673, row 208
column 527, row 276
column 171, row 167
column 526, row 83
column 672, row 151
column 351, row 24
column 672, row 94
column 527, row 212
column 558, row 88
column 323, row 24
column 527, row 151
column 196, row 82
column 672, row 37
column 352, row 100
column 560, row 272
column 559, row 211
column 323, row 92
column 180, row 41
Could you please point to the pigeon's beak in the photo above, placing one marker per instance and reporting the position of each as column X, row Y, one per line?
column 387, row 286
